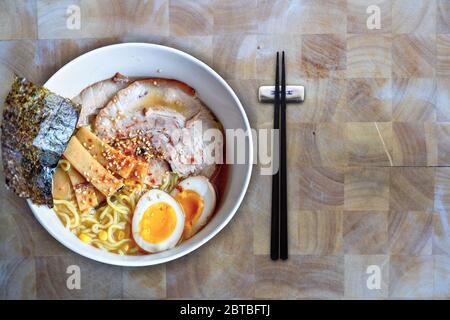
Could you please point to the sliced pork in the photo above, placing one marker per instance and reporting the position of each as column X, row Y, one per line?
column 170, row 116
column 157, row 169
column 97, row 95
column 145, row 104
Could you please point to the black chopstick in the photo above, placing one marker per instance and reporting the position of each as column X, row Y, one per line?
column 275, row 223
column 283, row 167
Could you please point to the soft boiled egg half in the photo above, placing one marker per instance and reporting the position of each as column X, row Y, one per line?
column 197, row 197
column 158, row 221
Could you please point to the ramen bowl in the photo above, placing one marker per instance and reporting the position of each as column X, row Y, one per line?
column 150, row 60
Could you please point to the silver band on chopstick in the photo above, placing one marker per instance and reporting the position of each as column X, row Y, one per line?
column 293, row 93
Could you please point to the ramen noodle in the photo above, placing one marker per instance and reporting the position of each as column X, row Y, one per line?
column 106, row 227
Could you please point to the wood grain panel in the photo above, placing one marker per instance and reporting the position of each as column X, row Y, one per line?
column 366, row 189
column 319, row 233
column 443, row 100
column 441, row 189
column 414, row 16
column 235, row 17
column 325, row 103
column 357, row 16
column 441, row 232
column 321, row 188
column 413, row 56
column 199, row 46
column 443, row 55
column 442, row 277
column 300, row 277
column 234, row 56
column 414, row 144
column 15, row 234
column 18, row 20
column 191, row 17
column 414, row 99
column 310, row 143
column 369, row 143
column 410, row 277
column 97, row 280
column 103, row 18
column 17, row 278
column 301, row 17
column 144, row 283
column 356, row 276
column 15, row 57
column 369, row 56
column 443, row 143
column 365, row 232
column 368, row 100
column 412, row 189
column 443, row 16
column 323, row 56
column 410, row 233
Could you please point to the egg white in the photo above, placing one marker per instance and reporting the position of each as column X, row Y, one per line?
column 206, row 191
column 148, row 199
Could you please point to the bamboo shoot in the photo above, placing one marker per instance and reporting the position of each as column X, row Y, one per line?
column 91, row 169
column 62, row 187
column 84, row 191
column 106, row 155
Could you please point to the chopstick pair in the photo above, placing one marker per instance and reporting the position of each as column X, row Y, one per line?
column 279, row 236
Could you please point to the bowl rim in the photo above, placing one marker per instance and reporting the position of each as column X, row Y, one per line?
column 68, row 243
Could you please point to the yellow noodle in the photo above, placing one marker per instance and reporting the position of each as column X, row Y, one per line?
column 66, row 218
column 129, row 200
column 111, row 246
column 100, row 246
column 114, row 206
column 114, row 215
column 104, row 212
column 72, row 210
column 111, row 231
column 95, row 228
column 110, row 222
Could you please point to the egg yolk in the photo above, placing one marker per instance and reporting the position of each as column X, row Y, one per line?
column 158, row 222
column 192, row 204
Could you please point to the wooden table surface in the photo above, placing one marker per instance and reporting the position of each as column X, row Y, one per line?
column 369, row 150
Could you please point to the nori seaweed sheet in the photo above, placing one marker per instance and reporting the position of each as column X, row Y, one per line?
column 36, row 128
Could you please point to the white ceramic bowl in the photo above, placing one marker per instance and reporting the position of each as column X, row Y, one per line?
column 141, row 59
